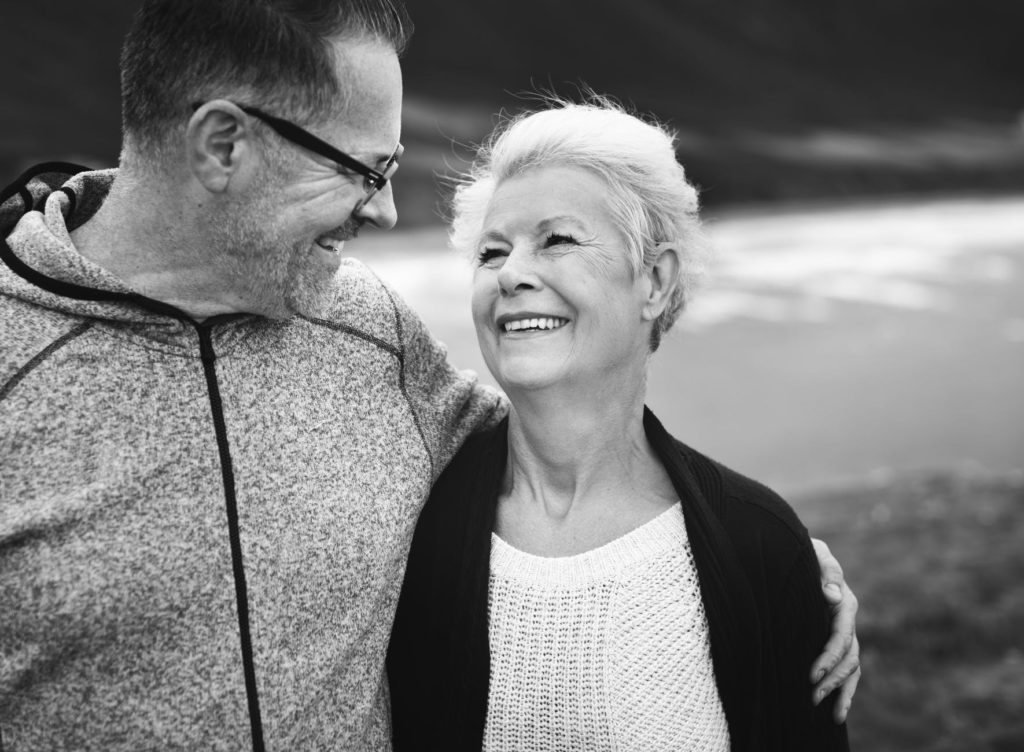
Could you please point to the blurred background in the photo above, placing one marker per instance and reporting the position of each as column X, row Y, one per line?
column 860, row 345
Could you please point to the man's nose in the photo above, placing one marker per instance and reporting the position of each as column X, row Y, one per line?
column 380, row 209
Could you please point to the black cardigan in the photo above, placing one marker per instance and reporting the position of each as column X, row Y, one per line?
column 759, row 580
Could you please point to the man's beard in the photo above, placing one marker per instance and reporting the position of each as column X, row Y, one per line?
column 292, row 284
column 280, row 277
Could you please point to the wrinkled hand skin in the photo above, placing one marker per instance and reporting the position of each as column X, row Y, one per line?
column 838, row 666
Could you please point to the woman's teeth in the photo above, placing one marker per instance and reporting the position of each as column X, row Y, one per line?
column 533, row 324
column 328, row 244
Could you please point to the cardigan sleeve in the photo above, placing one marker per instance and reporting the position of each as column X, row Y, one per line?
column 799, row 627
column 781, row 569
column 438, row 659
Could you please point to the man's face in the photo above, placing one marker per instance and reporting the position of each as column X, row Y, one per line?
column 288, row 231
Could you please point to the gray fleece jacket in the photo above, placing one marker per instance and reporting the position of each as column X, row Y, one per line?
column 203, row 528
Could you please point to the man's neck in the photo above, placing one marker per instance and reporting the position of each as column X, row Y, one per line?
column 149, row 242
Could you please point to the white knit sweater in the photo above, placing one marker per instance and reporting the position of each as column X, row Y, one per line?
column 606, row 650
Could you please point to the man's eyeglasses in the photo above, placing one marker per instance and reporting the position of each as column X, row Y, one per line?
column 373, row 180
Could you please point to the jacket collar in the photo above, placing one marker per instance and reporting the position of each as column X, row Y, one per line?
column 36, row 246
column 40, row 265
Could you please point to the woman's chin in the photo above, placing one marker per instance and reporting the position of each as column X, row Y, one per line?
column 527, row 377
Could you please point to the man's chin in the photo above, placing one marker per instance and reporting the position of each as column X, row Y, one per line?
column 312, row 298
column 306, row 285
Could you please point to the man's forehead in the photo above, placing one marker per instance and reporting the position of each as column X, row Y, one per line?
column 371, row 82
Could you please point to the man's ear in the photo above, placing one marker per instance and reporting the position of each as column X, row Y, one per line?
column 662, row 280
column 219, row 142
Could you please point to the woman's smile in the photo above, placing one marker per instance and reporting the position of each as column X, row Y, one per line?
column 530, row 324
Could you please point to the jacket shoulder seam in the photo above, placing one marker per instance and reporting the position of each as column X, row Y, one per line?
column 40, row 357
column 358, row 333
column 401, row 375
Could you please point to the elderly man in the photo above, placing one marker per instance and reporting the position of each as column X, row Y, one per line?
column 217, row 433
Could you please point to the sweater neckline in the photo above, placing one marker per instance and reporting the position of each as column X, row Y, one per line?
column 662, row 535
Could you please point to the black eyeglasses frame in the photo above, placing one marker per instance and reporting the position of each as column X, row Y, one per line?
column 374, row 181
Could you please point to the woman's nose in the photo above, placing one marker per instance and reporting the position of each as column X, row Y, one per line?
column 517, row 273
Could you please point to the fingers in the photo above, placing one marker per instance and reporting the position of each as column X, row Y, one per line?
column 844, row 619
column 831, row 572
column 845, row 698
column 839, row 664
column 845, row 676
column 833, row 593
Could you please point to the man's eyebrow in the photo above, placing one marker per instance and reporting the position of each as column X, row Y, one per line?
column 374, row 161
column 382, row 159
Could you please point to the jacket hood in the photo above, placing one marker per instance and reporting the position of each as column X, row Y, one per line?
column 39, row 263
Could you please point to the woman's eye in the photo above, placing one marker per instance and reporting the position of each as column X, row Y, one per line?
column 557, row 238
column 487, row 255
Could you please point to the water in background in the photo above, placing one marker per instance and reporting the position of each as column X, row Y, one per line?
column 829, row 344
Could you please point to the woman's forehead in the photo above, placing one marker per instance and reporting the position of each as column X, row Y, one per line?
column 548, row 196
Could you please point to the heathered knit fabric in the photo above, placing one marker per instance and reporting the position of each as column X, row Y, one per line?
column 118, row 622
column 606, row 650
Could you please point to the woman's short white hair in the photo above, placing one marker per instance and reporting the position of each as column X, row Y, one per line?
column 649, row 197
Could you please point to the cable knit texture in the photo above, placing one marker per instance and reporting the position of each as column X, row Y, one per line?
column 607, row 650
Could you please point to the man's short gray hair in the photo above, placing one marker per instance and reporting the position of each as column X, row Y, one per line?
column 273, row 52
column 649, row 197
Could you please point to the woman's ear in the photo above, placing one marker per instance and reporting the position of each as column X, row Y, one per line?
column 662, row 279
column 218, row 141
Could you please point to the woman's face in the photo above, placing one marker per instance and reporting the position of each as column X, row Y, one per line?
column 554, row 299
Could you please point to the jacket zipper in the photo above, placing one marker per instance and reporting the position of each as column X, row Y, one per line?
column 209, row 358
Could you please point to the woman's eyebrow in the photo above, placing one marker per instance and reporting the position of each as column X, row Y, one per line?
column 492, row 235
column 560, row 219
column 543, row 226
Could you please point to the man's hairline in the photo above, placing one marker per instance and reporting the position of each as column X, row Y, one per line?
column 138, row 146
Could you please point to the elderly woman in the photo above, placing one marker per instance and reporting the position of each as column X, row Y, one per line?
column 580, row 579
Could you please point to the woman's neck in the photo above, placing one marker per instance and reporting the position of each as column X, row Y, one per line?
column 580, row 472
